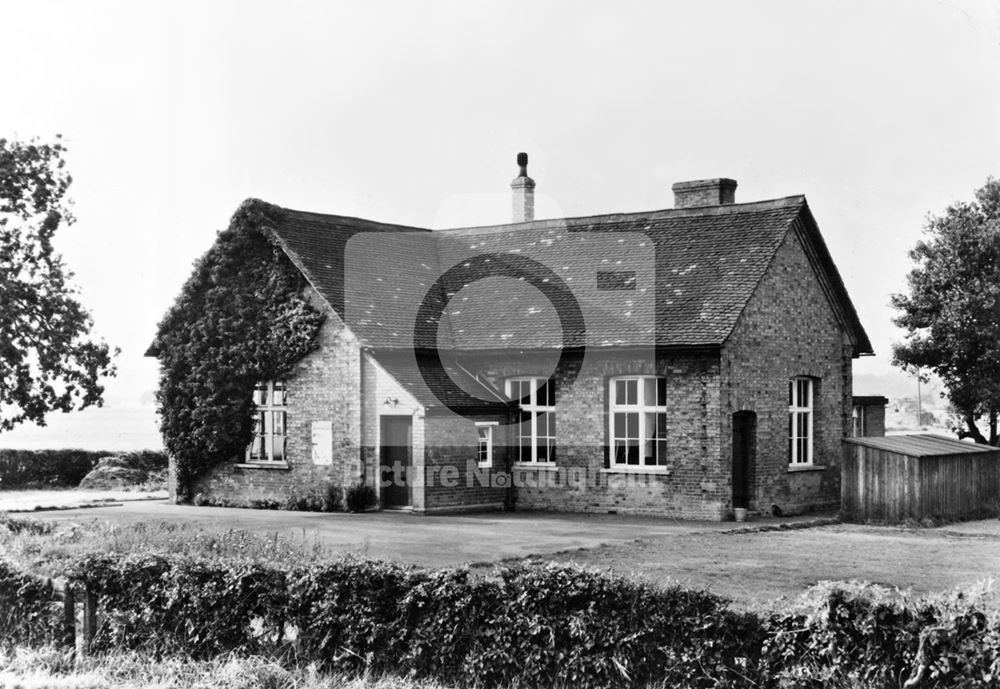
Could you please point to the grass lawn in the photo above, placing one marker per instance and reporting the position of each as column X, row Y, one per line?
column 49, row 669
column 752, row 568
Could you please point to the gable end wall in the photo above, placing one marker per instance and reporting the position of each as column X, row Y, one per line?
column 788, row 329
column 325, row 386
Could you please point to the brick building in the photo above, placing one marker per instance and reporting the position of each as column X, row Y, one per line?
column 672, row 362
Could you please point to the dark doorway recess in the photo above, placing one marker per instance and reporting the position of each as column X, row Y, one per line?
column 396, row 458
column 744, row 451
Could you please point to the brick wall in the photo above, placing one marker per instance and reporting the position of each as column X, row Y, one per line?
column 788, row 329
column 452, row 478
column 694, row 485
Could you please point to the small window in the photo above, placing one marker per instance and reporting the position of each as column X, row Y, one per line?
column 638, row 421
column 858, row 421
column 269, row 428
column 800, row 421
column 535, row 434
column 485, row 432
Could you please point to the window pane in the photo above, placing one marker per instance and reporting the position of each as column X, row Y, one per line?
column 661, row 392
column 256, row 447
column 543, row 452
column 620, row 425
column 648, row 453
column 661, row 452
column 632, row 425
column 632, row 392
column 279, row 448
column 550, row 396
column 649, row 392
column 620, row 454
column 791, row 437
column 542, row 424
column 633, row 452
column 620, row 391
column 524, row 449
column 552, row 423
column 279, row 422
column 279, row 395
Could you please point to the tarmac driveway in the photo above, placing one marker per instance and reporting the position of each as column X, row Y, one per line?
column 422, row 540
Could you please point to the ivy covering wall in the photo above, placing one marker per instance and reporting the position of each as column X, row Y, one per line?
column 242, row 317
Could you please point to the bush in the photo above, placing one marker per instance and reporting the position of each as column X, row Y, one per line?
column 532, row 625
column 145, row 469
column 29, row 615
column 24, row 469
column 39, row 469
column 528, row 625
column 359, row 498
column 325, row 499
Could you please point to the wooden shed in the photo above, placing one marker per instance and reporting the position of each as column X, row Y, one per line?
column 916, row 476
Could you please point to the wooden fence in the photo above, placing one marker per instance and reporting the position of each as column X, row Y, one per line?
column 76, row 636
column 897, row 478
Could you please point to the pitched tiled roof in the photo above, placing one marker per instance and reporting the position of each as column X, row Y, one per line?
column 440, row 385
column 671, row 277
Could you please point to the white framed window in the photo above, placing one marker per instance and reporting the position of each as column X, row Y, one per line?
column 484, row 430
column 858, row 421
column 637, row 421
column 270, row 405
column 800, row 421
column 535, row 429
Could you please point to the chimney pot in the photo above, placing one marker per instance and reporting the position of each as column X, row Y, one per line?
column 523, row 202
column 704, row 192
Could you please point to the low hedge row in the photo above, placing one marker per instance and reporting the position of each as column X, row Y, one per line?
column 28, row 612
column 527, row 626
column 27, row 469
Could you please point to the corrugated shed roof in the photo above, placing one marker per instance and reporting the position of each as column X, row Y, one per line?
column 922, row 445
column 694, row 271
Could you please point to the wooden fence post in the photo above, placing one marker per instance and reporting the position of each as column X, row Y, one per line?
column 89, row 618
column 69, row 616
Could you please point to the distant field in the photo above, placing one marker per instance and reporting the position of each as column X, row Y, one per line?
column 107, row 428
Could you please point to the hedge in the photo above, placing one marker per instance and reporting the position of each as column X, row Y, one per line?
column 528, row 625
column 22, row 469
column 29, row 615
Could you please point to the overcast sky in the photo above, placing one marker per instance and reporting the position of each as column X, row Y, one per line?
column 174, row 112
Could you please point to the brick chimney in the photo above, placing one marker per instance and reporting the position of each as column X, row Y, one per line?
column 704, row 192
column 524, row 192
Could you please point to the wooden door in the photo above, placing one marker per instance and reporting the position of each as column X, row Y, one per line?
column 744, row 441
column 396, row 458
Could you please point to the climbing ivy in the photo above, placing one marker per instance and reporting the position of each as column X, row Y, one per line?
column 241, row 317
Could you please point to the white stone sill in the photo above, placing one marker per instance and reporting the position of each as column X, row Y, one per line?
column 807, row 467
column 638, row 470
column 536, row 466
column 274, row 466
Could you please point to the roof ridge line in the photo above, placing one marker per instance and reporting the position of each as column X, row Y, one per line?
column 723, row 209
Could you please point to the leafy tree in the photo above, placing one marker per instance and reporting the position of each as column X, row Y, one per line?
column 47, row 362
column 241, row 318
column 952, row 310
